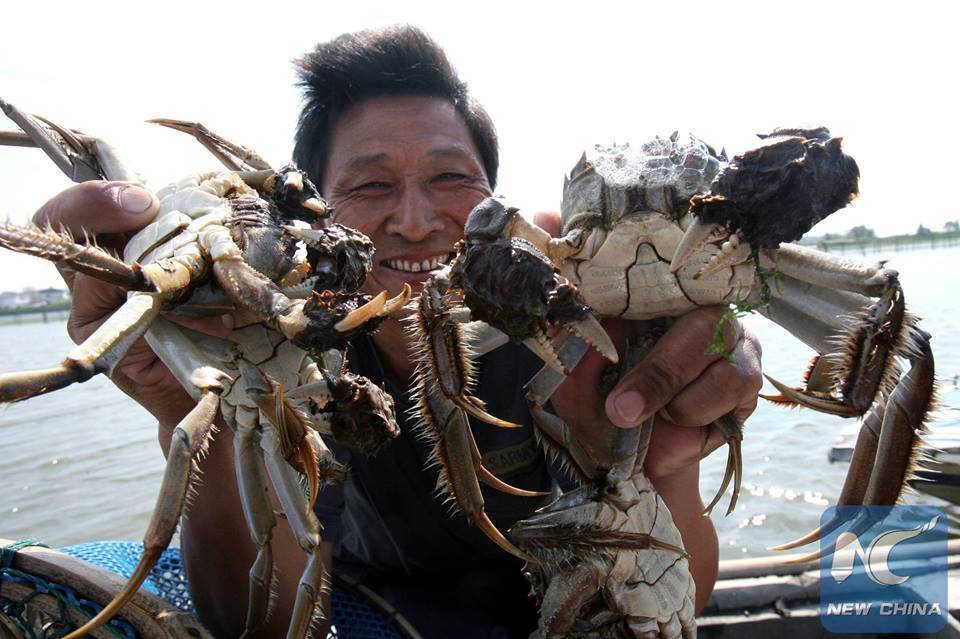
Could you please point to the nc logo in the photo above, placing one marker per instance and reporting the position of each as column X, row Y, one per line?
column 875, row 557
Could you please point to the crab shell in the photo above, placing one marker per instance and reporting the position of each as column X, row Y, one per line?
column 628, row 209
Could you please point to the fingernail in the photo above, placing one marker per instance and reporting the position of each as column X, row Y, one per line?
column 133, row 199
column 227, row 321
column 629, row 406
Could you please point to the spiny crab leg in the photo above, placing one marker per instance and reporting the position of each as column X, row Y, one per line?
column 60, row 249
column 286, row 435
column 234, row 156
column 552, row 432
column 444, row 374
column 881, row 464
column 456, row 455
column 441, row 343
column 189, row 439
column 81, row 158
column 866, row 304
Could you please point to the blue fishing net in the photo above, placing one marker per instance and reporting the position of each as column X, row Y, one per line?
column 352, row 617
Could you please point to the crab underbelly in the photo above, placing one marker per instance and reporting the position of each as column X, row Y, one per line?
column 629, row 275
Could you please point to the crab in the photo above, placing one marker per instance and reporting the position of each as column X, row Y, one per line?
column 649, row 233
column 227, row 242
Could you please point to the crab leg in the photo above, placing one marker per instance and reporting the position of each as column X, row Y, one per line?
column 442, row 350
column 286, row 436
column 99, row 353
column 80, row 157
column 306, row 529
column 189, row 439
column 732, row 432
column 443, row 404
column 877, row 333
column 456, row 455
column 824, row 298
column 884, row 456
column 564, row 598
column 60, row 249
column 233, row 156
column 554, row 434
column 258, row 513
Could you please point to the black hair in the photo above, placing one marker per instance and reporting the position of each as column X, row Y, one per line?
column 393, row 61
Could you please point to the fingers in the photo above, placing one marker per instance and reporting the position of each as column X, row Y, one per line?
column 93, row 301
column 673, row 449
column 721, row 388
column 549, row 221
column 679, row 358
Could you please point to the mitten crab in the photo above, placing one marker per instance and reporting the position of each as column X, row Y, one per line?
column 226, row 242
column 649, row 233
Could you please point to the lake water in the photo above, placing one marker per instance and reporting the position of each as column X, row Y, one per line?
column 83, row 463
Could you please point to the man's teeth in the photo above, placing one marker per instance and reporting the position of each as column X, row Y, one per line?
column 417, row 267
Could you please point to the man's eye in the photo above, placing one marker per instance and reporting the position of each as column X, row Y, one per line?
column 372, row 186
column 449, row 177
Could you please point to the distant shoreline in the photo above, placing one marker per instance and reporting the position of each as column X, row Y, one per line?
column 893, row 243
column 50, row 313
column 24, row 310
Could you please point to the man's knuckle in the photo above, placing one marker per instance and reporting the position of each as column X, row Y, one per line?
column 664, row 377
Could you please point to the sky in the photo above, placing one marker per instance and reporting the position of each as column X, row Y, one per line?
column 556, row 77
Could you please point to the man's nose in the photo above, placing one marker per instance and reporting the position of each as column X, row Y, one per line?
column 416, row 216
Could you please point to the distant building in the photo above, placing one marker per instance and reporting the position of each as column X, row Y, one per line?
column 33, row 297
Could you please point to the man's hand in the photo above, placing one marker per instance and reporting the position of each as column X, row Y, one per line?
column 678, row 381
column 217, row 564
column 685, row 388
column 112, row 212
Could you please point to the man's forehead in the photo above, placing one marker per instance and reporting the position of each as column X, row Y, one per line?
column 399, row 128
column 361, row 160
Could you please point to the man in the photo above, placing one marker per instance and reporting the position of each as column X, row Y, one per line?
column 403, row 153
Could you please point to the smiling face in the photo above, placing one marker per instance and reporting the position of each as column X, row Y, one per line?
column 404, row 171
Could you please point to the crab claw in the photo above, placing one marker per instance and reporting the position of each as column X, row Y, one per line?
column 365, row 313
column 541, row 346
column 396, row 303
column 293, row 181
column 734, row 251
column 697, row 235
column 591, row 331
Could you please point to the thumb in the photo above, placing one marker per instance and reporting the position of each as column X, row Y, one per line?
column 675, row 361
column 99, row 207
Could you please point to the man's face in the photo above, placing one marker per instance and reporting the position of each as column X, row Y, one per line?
column 404, row 171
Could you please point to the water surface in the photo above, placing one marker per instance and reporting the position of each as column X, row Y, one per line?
column 83, row 463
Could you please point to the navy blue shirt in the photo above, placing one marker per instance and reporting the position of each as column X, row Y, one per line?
column 392, row 531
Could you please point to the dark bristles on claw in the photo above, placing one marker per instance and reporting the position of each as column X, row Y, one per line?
column 777, row 192
column 296, row 196
column 339, row 256
column 509, row 284
column 363, row 417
